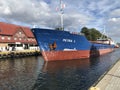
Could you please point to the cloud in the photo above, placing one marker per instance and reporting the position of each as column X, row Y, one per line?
column 24, row 11
column 78, row 13
column 115, row 13
column 40, row 13
column 114, row 27
column 114, row 24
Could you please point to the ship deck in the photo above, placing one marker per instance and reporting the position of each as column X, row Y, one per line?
column 110, row 80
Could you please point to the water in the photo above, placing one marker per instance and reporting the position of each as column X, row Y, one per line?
column 32, row 73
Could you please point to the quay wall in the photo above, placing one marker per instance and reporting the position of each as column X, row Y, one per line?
column 21, row 53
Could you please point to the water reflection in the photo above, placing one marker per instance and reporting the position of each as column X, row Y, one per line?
column 62, row 75
column 32, row 73
column 53, row 67
column 74, row 74
column 19, row 74
column 67, row 75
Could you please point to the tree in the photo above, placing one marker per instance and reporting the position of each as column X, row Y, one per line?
column 95, row 34
column 91, row 34
column 86, row 32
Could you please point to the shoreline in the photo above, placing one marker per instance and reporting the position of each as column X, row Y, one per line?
column 110, row 80
column 20, row 53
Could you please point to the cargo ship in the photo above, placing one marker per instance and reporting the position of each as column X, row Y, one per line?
column 64, row 45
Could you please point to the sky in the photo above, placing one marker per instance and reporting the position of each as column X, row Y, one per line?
column 99, row 14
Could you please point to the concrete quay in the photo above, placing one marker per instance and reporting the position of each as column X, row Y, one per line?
column 111, row 79
column 21, row 53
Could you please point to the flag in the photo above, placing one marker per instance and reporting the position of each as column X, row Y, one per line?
column 62, row 6
column 57, row 9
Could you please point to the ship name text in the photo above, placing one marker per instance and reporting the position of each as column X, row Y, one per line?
column 68, row 40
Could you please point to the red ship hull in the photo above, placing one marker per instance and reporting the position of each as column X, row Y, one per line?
column 64, row 55
column 105, row 51
column 70, row 55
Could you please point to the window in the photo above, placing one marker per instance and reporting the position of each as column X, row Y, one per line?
column 20, row 33
column 9, row 38
column 19, row 45
column 25, row 39
column 15, row 38
column 28, row 39
column 3, row 38
column 20, row 39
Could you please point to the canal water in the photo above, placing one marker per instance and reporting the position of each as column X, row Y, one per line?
column 32, row 73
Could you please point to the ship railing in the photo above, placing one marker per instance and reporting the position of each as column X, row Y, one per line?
column 77, row 33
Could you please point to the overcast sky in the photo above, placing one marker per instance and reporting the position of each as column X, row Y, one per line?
column 77, row 14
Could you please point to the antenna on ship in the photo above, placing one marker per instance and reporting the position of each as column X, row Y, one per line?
column 61, row 14
column 103, row 34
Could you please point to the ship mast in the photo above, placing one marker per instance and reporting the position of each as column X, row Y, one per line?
column 61, row 14
column 104, row 33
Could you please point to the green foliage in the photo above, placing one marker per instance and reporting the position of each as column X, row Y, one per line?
column 86, row 32
column 92, row 34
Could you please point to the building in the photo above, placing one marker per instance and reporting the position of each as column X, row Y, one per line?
column 16, row 36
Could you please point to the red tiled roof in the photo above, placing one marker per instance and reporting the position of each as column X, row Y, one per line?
column 27, row 31
column 12, row 41
column 10, row 29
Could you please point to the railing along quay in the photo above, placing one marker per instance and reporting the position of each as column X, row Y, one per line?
column 21, row 53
